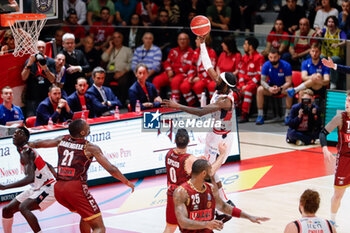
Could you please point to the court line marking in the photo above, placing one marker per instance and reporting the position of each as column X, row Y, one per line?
column 138, row 182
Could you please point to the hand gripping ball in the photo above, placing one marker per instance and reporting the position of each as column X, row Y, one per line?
column 200, row 25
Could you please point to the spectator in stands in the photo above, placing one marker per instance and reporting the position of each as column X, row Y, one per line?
column 82, row 101
column 147, row 10
column 173, row 11
column 197, row 77
column 333, row 46
column 101, row 30
column 323, row 13
column 79, row 6
column 314, row 74
column 133, row 34
column 300, row 44
column 277, row 39
column 9, row 111
column 313, row 7
column 230, row 56
column 276, row 77
column 189, row 6
column 94, row 10
column 290, row 14
column 71, row 26
column 275, row 5
column 58, row 41
column 249, row 74
column 191, row 14
column 344, row 20
column 106, row 99
column 219, row 15
column 9, row 41
column 242, row 14
column 304, row 121
column 148, row 54
column 118, row 59
column 53, row 107
column 38, row 78
column 61, row 70
column 176, row 66
column 143, row 91
column 92, row 55
column 124, row 10
column 166, row 37
column 76, row 63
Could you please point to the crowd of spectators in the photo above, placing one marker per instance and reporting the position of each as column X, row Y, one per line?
column 133, row 45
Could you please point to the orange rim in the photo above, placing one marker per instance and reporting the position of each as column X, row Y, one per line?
column 10, row 19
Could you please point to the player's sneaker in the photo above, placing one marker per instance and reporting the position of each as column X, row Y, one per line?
column 259, row 120
column 291, row 92
column 286, row 120
column 224, row 217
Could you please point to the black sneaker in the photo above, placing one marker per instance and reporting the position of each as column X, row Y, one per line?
column 230, row 203
column 243, row 119
column 224, row 217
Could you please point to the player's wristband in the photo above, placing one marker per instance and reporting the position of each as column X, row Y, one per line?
column 236, row 212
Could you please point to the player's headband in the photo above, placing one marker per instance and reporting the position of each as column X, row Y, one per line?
column 225, row 75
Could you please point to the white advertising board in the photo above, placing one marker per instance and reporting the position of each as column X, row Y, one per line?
column 123, row 142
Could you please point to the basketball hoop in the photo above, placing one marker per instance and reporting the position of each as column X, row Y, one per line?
column 25, row 29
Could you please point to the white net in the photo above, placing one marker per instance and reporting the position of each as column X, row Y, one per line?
column 26, row 34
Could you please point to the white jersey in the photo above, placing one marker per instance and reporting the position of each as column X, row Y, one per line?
column 314, row 225
column 226, row 117
column 43, row 175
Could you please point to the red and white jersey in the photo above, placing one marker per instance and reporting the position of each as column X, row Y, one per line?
column 200, row 205
column 250, row 68
column 175, row 168
column 226, row 117
column 344, row 136
column 314, row 225
column 43, row 175
column 179, row 61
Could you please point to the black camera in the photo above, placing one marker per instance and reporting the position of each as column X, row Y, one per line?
column 40, row 58
column 305, row 105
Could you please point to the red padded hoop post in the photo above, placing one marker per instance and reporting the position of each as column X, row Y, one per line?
column 10, row 19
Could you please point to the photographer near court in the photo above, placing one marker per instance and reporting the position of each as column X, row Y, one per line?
column 304, row 120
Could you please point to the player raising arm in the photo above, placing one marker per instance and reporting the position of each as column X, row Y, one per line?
column 75, row 155
column 195, row 202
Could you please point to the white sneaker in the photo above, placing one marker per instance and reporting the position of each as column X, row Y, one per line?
column 299, row 143
column 276, row 8
column 263, row 7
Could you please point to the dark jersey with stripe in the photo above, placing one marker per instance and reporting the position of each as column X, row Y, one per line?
column 200, row 205
column 344, row 136
column 175, row 168
column 73, row 164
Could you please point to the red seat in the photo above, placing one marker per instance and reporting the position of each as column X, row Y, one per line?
column 129, row 108
column 30, row 121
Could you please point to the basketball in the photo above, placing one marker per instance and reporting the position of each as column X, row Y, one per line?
column 200, row 25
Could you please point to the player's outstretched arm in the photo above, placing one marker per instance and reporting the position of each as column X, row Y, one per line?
column 335, row 122
column 180, row 198
column 206, row 60
column 234, row 211
column 94, row 150
column 27, row 159
column 45, row 143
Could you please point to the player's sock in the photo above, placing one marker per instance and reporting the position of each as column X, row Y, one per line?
column 222, row 194
column 7, row 224
column 299, row 88
column 260, row 112
column 333, row 216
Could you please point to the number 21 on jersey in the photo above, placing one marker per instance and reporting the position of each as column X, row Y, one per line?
column 68, row 157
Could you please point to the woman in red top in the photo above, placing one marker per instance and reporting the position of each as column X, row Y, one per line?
column 230, row 57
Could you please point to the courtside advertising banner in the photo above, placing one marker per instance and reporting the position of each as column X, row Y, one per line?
column 125, row 144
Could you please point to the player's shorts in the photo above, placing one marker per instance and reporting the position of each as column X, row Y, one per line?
column 170, row 211
column 75, row 196
column 342, row 171
column 212, row 141
column 44, row 196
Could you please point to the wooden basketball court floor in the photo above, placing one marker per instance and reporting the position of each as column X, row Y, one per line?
column 268, row 181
